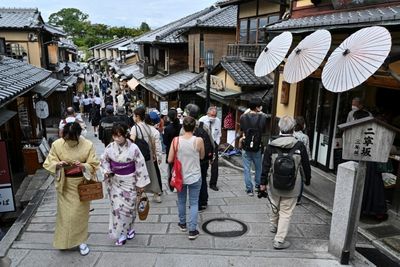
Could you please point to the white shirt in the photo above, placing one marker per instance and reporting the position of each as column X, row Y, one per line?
column 214, row 126
column 120, row 100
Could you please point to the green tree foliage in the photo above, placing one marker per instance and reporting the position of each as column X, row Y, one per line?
column 144, row 27
column 85, row 34
column 72, row 20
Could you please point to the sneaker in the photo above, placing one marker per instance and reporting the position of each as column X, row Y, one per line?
column 157, row 198
column 84, row 249
column 250, row 193
column 298, row 202
column 202, row 208
column 193, row 234
column 257, row 188
column 182, row 227
column 273, row 228
column 281, row 245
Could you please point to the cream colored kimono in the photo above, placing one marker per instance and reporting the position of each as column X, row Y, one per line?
column 72, row 214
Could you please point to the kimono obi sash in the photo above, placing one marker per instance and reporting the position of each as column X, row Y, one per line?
column 122, row 168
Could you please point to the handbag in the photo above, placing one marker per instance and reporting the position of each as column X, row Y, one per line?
column 90, row 190
column 177, row 179
column 143, row 206
column 72, row 171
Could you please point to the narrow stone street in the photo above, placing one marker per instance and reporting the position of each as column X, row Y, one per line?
column 160, row 243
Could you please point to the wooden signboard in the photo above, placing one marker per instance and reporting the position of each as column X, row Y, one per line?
column 367, row 139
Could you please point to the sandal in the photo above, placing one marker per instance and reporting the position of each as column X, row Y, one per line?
column 131, row 234
column 121, row 241
column 84, row 249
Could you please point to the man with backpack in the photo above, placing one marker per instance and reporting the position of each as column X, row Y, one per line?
column 202, row 131
column 280, row 171
column 253, row 125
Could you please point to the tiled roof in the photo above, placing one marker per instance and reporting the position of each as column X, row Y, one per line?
column 128, row 70
column 20, row 18
column 16, row 77
column 227, row 2
column 243, row 74
column 389, row 15
column 46, row 87
column 54, row 30
column 180, row 81
column 109, row 44
column 171, row 33
column 218, row 18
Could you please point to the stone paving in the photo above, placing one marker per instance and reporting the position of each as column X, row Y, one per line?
column 160, row 243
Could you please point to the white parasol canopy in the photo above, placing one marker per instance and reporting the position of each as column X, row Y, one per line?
column 307, row 56
column 356, row 59
column 273, row 54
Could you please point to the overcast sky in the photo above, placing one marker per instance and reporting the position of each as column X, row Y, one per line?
column 129, row 13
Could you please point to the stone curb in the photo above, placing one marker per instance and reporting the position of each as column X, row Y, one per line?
column 23, row 218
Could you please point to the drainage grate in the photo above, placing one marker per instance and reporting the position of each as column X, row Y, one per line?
column 384, row 231
column 224, row 227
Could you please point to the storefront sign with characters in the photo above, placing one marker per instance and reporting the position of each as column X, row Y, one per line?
column 217, row 83
column 367, row 139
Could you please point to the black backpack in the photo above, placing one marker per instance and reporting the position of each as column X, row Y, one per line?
column 142, row 144
column 285, row 171
column 252, row 141
column 208, row 146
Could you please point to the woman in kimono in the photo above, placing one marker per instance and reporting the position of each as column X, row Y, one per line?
column 143, row 131
column 71, row 159
column 125, row 174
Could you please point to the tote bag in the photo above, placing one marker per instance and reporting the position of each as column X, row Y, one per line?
column 177, row 178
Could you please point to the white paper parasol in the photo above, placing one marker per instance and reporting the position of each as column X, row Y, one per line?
column 356, row 59
column 307, row 56
column 273, row 54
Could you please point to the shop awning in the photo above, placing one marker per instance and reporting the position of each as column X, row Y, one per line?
column 46, row 87
column 6, row 115
column 132, row 83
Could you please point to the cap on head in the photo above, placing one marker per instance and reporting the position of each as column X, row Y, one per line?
column 109, row 109
column 179, row 110
column 154, row 117
column 164, row 112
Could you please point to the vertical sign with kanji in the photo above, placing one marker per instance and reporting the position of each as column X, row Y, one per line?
column 367, row 139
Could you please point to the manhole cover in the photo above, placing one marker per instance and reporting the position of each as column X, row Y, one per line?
column 384, row 231
column 224, row 227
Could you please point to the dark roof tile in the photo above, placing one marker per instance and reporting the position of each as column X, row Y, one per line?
column 16, row 77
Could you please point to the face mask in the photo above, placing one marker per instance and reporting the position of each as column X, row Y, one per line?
column 119, row 139
column 354, row 107
column 260, row 108
column 211, row 119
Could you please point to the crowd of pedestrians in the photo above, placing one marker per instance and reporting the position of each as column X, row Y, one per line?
column 135, row 139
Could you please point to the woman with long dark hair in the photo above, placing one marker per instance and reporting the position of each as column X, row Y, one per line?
column 71, row 160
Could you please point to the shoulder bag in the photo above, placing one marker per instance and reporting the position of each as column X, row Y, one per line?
column 177, row 178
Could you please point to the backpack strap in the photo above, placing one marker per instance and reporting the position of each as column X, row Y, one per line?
column 293, row 149
column 139, row 130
